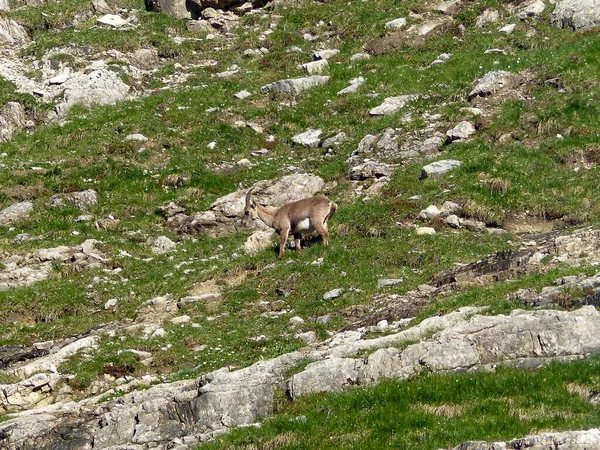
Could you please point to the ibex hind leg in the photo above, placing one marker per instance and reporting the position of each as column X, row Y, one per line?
column 323, row 232
column 297, row 238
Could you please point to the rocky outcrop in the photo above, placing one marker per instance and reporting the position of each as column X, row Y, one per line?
column 576, row 14
column 24, row 270
column 12, row 119
column 11, row 33
column 575, row 248
column 294, row 86
column 100, row 87
column 187, row 412
column 565, row 440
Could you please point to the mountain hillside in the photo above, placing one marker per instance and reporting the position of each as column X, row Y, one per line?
column 455, row 303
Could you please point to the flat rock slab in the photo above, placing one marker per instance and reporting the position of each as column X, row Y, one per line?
column 294, row 86
column 82, row 200
column 392, row 105
column 439, row 168
column 112, row 20
column 463, row 130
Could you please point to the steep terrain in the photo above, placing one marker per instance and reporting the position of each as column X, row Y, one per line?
column 456, row 300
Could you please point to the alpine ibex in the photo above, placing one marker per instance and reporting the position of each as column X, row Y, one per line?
column 295, row 218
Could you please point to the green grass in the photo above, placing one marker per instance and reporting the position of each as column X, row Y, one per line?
column 431, row 411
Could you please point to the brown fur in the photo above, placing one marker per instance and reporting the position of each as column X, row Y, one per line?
column 287, row 219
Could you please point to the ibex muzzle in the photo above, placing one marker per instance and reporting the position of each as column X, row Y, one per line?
column 295, row 218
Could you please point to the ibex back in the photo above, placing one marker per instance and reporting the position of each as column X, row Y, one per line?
column 295, row 218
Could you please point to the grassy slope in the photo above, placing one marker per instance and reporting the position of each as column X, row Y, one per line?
column 89, row 152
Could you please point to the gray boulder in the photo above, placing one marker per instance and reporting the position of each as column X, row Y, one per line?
column 100, row 87
column 439, row 168
column 82, row 200
column 15, row 213
column 491, row 83
column 371, row 169
column 576, row 14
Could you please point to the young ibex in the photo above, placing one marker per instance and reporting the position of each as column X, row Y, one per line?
column 295, row 218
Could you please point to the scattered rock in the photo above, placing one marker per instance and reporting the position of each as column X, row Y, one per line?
column 396, row 24
column 11, row 33
column 316, row 67
column 439, row 168
column 385, row 282
column 163, row 245
column 258, row 241
column 310, row 138
column 335, row 141
column 294, row 86
column 325, row 54
column 508, row 29
column 15, row 213
column 491, row 83
column 112, row 20
column 12, row 119
column 371, row 169
column 82, row 200
column 335, row 293
column 422, row 231
column 355, row 83
column 392, row 105
column 463, row 130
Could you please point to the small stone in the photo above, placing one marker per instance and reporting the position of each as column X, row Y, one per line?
column 163, row 245
column 425, row 231
column 392, row 105
column 389, row 282
column 296, row 321
column 316, row 67
column 335, row 293
column 136, row 137
column 439, row 168
column 453, row 221
column 110, row 304
column 396, row 24
column 324, row 54
column 431, row 212
column 180, row 320
column 112, row 20
column 242, row 95
column 508, row 29
column 360, row 57
column 310, row 138
column 463, row 130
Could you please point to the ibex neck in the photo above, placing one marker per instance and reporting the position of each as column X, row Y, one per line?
column 266, row 214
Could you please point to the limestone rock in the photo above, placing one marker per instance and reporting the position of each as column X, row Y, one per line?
column 163, row 245
column 490, row 83
column 11, row 33
column 112, row 20
column 316, row 67
column 15, row 213
column 100, row 87
column 12, row 119
column 396, row 24
column 576, row 14
column 439, row 168
column 355, row 83
column 371, row 169
column 310, row 138
column 325, row 54
column 294, row 86
column 259, row 240
column 392, row 105
column 82, row 200
column 462, row 130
